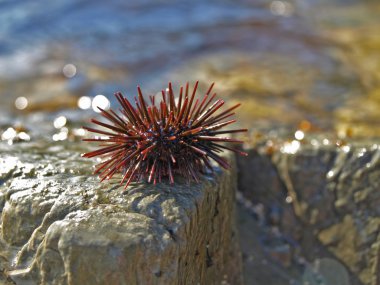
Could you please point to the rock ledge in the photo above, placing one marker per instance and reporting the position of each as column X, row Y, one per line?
column 61, row 226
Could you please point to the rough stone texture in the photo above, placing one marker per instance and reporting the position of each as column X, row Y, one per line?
column 61, row 226
column 259, row 181
column 334, row 202
column 336, row 192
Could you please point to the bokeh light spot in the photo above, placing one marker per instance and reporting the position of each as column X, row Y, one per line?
column 299, row 135
column 84, row 102
column 100, row 101
column 62, row 135
column 281, row 8
column 79, row 132
column 60, row 122
column 24, row 136
column 69, row 70
column 291, row 147
column 9, row 134
column 21, row 103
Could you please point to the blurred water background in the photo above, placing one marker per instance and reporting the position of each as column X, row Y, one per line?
column 310, row 62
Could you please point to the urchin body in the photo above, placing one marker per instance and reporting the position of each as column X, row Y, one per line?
column 164, row 139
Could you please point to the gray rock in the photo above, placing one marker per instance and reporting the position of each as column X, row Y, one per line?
column 304, row 174
column 61, row 226
column 259, row 181
column 335, row 193
column 326, row 199
column 326, row 271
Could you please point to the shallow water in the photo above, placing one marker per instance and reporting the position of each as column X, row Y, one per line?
column 287, row 61
column 316, row 61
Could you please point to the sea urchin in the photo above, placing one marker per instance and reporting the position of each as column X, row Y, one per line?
column 164, row 138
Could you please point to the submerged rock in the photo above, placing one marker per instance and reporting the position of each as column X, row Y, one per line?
column 326, row 271
column 61, row 226
column 333, row 193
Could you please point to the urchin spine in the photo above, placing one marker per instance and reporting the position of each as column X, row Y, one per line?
column 159, row 140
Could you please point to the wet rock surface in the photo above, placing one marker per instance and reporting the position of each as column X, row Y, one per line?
column 61, row 226
column 320, row 211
